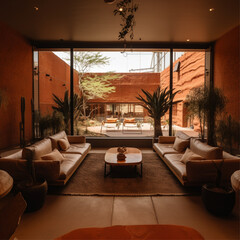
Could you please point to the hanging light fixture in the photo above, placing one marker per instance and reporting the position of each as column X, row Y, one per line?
column 109, row 1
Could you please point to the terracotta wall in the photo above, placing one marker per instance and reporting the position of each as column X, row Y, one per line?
column 227, row 70
column 128, row 87
column 190, row 75
column 54, row 78
column 16, row 81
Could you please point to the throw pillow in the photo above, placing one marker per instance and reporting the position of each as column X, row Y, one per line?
column 54, row 155
column 180, row 145
column 64, row 144
column 189, row 155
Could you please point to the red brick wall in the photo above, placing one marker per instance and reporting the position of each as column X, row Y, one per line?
column 56, row 83
column 16, row 80
column 227, row 70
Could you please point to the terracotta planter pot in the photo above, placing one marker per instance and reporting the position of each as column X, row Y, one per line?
column 217, row 200
column 34, row 195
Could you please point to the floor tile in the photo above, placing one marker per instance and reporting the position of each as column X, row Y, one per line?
column 190, row 211
column 133, row 211
column 62, row 214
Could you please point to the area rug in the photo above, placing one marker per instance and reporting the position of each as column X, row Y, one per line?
column 89, row 180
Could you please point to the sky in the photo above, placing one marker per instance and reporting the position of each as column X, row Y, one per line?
column 120, row 62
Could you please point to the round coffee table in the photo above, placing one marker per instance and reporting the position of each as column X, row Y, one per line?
column 133, row 158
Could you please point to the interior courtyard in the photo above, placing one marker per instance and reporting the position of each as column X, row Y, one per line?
column 190, row 44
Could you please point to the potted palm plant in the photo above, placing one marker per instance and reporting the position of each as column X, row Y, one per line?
column 157, row 104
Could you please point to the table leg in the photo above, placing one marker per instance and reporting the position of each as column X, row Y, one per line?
column 141, row 169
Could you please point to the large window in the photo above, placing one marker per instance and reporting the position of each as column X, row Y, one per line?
column 105, row 87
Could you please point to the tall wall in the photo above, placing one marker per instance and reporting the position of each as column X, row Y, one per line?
column 190, row 75
column 16, row 81
column 54, row 78
column 128, row 87
column 227, row 70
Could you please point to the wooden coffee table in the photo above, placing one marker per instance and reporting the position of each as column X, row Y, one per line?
column 133, row 158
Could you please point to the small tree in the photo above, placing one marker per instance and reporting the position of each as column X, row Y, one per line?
column 228, row 132
column 195, row 104
column 157, row 104
column 203, row 101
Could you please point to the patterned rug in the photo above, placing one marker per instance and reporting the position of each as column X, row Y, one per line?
column 89, row 180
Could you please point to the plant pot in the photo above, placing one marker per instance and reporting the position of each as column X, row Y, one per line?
column 33, row 194
column 218, row 200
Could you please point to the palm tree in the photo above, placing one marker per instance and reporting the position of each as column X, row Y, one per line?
column 157, row 104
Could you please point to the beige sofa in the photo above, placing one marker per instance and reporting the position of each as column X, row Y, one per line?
column 55, row 171
column 201, row 165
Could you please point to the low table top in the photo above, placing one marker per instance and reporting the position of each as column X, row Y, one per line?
column 133, row 157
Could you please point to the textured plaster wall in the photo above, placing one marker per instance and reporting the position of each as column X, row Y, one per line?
column 227, row 70
column 54, row 78
column 128, row 87
column 190, row 75
column 16, row 81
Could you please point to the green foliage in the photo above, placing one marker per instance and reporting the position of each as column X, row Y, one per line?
column 63, row 106
column 98, row 86
column 51, row 124
column 127, row 17
column 195, row 104
column 157, row 104
column 84, row 61
column 204, row 102
column 228, row 133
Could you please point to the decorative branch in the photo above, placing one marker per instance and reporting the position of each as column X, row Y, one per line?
column 126, row 9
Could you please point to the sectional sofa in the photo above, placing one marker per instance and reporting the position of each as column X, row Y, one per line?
column 55, row 158
column 193, row 162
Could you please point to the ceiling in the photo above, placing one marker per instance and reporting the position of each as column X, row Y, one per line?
column 93, row 20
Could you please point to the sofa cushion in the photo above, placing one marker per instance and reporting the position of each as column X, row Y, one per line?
column 180, row 145
column 54, row 155
column 111, row 120
column 38, row 149
column 63, row 144
column 164, row 148
column 204, row 150
column 182, row 135
column 179, row 168
column 69, row 164
column 189, row 155
column 54, row 139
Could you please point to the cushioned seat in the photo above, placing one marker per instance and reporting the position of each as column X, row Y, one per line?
column 78, row 148
column 165, row 148
column 178, row 167
column 68, row 165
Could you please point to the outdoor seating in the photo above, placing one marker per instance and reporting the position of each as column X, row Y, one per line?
column 110, row 123
column 131, row 125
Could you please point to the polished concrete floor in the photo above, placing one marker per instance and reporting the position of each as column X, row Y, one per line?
column 62, row 214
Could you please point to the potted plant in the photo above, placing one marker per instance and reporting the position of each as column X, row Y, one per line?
column 218, row 199
column 206, row 103
column 157, row 104
column 34, row 189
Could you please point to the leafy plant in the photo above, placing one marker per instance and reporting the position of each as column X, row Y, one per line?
column 63, row 106
column 204, row 102
column 228, row 133
column 157, row 104
column 195, row 104
column 126, row 9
